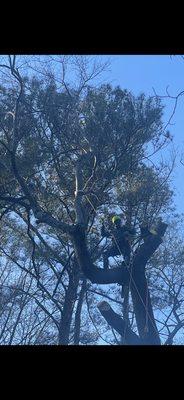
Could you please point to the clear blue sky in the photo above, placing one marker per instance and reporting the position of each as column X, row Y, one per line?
column 141, row 73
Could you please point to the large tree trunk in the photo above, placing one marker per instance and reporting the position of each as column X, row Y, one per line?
column 135, row 277
column 125, row 313
column 143, row 310
column 78, row 313
column 139, row 289
column 70, row 298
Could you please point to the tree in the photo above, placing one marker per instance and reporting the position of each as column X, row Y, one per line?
column 67, row 155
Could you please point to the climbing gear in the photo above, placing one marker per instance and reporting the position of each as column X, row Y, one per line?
column 148, row 316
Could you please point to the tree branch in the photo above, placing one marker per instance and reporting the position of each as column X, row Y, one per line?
column 139, row 288
column 80, row 218
column 94, row 274
column 174, row 332
column 117, row 323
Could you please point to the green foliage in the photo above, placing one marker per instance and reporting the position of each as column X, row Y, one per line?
column 111, row 130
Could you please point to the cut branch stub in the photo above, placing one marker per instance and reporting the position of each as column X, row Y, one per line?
column 103, row 306
column 117, row 323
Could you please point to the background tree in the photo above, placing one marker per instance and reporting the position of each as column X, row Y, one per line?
column 69, row 157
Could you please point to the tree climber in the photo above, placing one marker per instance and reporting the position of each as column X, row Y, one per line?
column 121, row 236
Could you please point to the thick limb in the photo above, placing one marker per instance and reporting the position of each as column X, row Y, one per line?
column 116, row 322
column 94, row 274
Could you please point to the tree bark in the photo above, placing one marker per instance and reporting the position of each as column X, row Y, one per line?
column 94, row 274
column 139, row 289
column 136, row 278
column 70, row 298
column 118, row 324
column 78, row 313
column 125, row 312
column 143, row 310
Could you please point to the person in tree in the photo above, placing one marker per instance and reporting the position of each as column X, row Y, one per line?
column 121, row 235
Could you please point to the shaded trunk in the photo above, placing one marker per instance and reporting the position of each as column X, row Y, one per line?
column 70, row 298
column 125, row 313
column 143, row 310
column 148, row 333
column 117, row 323
column 78, row 313
column 139, row 289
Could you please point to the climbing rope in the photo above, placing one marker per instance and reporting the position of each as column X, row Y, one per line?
column 129, row 286
column 132, row 280
column 146, row 324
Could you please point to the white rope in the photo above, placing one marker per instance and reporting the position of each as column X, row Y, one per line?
column 132, row 280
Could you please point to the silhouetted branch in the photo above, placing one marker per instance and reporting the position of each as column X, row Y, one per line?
column 116, row 322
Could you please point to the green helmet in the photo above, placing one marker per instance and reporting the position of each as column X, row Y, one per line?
column 115, row 219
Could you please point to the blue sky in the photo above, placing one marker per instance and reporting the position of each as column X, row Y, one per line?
column 142, row 73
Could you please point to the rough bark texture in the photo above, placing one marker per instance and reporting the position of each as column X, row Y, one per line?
column 139, row 290
column 118, row 324
column 143, row 310
column 70, row 298
column 78, row 313
column 125, row 312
